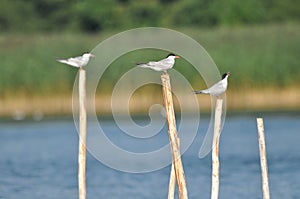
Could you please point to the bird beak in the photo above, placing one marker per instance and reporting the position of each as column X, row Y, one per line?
column 91, row 55
column 177, row 57
column 228, row 73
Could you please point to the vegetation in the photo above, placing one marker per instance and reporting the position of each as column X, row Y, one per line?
column 257, row 40
column 99, row 15
column 257, row 56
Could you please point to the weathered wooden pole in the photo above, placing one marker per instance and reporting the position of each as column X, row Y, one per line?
column 167, row 93
column 82, row 135
column 263, row 158
column 172, row 181
column 215, row 151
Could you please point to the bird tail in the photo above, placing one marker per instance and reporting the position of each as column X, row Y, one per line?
column 66, row 62
column 200, row 92
column 62, row 61
column 143, row 65
column 197, row 92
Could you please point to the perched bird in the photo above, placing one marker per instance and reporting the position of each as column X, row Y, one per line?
column 218, row 88
column 79, row 61
column 162, row 65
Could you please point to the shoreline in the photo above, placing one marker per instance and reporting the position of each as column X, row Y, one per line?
column 237, row 101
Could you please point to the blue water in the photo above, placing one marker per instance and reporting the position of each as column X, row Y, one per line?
column 39, row 160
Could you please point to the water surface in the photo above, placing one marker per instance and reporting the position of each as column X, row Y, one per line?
column 39, row 160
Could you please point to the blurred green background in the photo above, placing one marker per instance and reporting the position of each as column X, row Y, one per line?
column 100, row 15
column 258, row 41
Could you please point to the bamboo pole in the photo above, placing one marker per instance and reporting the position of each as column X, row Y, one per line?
column 82, row 135
column 179, row 172
column 172, row 178
column 215, row 151
column 263, row 158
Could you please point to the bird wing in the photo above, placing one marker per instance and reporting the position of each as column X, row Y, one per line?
column 76, row 61
column 156, row 65
column 165, row 64
column 147, row 65
column 217, row 88
column 153, row 65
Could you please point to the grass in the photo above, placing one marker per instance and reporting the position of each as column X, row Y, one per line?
column 259, row 57
column 265, row 55
column 29, row 65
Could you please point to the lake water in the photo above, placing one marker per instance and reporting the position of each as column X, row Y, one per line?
column 39, row 160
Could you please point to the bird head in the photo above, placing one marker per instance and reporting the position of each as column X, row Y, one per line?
column 226, row 75
column 172, row 56
column 88, row 55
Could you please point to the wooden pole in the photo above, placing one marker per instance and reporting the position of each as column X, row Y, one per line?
column 172, row 179
column 215, row 151
column 82, row 135
column 172, row 183
column 263, row 158
column 173, row 137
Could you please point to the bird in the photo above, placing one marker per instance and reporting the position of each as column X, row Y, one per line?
column 162, row 65
column 217, row 89
column 79, row 61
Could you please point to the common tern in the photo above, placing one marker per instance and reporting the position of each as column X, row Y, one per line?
column 79, row 61
column 162, row 65
column 218, row 88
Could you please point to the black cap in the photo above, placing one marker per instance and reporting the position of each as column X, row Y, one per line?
column 225, row 75
column 171, row 54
